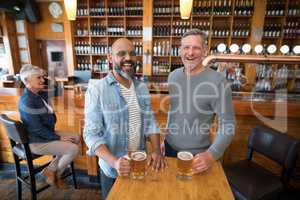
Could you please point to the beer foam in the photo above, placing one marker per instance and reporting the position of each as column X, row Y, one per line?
column 138, row 156
column 185, row 155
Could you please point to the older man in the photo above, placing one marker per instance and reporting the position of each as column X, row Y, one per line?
column 198, row 93
column 118, row 117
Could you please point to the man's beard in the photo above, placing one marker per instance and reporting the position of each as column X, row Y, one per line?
column 127, row 75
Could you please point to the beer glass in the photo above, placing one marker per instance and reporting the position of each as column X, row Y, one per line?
column 184, row 165
column 138, row 162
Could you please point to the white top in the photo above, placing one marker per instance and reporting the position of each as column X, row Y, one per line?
column 50, row 109
column 134, row 117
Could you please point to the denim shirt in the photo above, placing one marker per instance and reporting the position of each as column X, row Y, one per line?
column 106, row 118
column 38, row 120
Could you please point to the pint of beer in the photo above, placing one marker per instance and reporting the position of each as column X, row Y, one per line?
column 138, row 162
column 184, row 165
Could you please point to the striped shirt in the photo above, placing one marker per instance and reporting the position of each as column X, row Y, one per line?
column 134, row 116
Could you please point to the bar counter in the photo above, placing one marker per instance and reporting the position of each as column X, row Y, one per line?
column 285, row 116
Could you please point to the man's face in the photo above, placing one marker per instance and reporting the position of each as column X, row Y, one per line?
column 124, row 57
column 192, row 51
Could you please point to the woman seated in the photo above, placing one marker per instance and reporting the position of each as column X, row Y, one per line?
column 39, row 119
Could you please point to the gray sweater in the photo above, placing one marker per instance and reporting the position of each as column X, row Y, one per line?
column 194, row 101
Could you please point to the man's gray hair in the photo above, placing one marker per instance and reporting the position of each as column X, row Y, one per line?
column 28, row 70
column 196, row 32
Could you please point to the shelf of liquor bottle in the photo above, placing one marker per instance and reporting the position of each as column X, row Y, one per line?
column 161, row 56
column 222, row 16
column 133, row 36
column 220, row 37
column 274, row 16
column 116, row 36
column 201, row 16
column 82, row 17
column 242, row 16
column 133, row 16
column 162, row 36
column 290, row 38
column 176, row 36
column 97, row 17
column 81, row 36
column 177, row 16
column 239, row 37
column 163, row 16
column 98, row 54
column 82, row 54
column 271, row 37
column 293, row 16
column 99, row 36
column 116, row 16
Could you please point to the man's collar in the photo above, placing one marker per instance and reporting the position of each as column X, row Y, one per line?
column 111, row 79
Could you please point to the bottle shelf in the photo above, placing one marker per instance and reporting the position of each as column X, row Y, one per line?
column 236, row 25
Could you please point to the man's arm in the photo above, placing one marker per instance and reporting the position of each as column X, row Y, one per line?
column 226, row 121
column 93, row 133
column 224, row 109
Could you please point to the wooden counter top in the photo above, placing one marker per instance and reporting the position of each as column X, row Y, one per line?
column 211, row 184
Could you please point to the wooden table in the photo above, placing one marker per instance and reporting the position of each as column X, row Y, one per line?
column 210, row 185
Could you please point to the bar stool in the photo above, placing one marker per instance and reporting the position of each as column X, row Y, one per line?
column 21, row 151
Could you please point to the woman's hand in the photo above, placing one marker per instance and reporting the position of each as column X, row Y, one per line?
column 68, row 139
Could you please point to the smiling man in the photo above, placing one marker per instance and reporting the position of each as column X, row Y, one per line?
column 198, row 93
column 118, row 117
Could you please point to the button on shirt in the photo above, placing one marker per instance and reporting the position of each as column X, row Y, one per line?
column 107, row 118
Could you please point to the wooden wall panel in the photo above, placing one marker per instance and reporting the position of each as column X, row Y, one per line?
column 43, row 28
column 42, row 31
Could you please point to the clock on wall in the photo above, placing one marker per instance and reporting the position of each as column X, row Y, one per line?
column 55, row 9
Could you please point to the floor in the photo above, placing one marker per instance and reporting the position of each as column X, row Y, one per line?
column 87, row 190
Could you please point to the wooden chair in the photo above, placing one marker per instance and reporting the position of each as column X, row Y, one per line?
column 21, row 151
column 250, row 181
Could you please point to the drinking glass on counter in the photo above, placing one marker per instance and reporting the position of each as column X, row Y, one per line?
column 184, row 165
column 138, row 163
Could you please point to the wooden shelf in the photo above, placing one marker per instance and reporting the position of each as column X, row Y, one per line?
column 133, row 16
column 97, row 17
column 242, row 16
column 222, row 16
column 161, row 36
column 271, row 16
column 98, row 36
column 81, row 36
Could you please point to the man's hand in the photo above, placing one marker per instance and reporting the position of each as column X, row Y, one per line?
column 122, row 165
column 157, row 161
column 202, row 161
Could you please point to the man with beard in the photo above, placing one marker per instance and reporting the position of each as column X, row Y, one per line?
column 197, row 93
column 118, row 117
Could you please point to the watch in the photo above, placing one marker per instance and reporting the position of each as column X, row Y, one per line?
column 55, row 9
